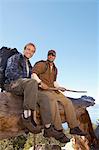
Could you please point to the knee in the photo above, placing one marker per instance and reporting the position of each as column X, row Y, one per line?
column 68, row 102
column 33, row 82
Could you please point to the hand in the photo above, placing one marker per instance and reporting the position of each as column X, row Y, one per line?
column 43, row 86
column 62, row 89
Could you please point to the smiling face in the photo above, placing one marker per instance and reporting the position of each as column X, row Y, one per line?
column 51, row 57
column 29, row 50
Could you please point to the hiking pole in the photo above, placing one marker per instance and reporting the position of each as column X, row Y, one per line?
column 76, row 91
column 56, row 89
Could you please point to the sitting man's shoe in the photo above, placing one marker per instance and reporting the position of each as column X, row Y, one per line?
column 28, row 124
column 77, row 131
column 63, row 138
column 58, row 135
column 26, row 131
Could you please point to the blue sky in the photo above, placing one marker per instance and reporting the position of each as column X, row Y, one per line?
column 68, row 26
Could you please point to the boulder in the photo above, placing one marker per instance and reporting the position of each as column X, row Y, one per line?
column 11, row 108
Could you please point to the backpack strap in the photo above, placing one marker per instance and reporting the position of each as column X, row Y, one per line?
column 20, row 67
column 55, row 69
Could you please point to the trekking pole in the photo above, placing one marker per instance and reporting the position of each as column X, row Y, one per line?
column 76, row 91
column 56, row 89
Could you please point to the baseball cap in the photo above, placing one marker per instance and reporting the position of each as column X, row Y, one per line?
column 52, row 52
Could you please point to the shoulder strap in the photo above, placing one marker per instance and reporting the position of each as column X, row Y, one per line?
column 55, row 69
column 20, row 62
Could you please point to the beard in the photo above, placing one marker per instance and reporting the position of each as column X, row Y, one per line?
column 51, row 61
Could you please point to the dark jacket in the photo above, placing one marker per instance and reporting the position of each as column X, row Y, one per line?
column 16, row 68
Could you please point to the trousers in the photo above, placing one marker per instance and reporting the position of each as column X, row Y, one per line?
column 70, row 114
column 28, row 88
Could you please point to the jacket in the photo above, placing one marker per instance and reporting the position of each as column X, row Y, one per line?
column 42, row 69
column 16, row 68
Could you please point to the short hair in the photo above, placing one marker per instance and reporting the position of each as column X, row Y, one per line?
column 29, row 44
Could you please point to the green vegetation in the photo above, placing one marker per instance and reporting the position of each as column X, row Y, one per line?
column 24, row 142
column 16, row 143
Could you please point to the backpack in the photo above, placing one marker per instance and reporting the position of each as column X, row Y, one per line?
column 5, row 53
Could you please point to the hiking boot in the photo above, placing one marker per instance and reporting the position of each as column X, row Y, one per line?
column 28, row 124
column 58, row 135
column 77, row 131
column 26, row 131
column 63, row 138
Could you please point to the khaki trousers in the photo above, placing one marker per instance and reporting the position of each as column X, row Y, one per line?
column 53, row 98
column 29, row 89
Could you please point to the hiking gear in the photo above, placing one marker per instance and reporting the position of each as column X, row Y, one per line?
column 28, row 124
column 58, row 135
column 76, row 91
column 59, row 88
column 63, row 139
column 51, row 132
column 77, row 131
column 5, row 53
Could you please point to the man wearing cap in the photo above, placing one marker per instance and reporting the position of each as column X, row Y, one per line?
column 45, row 73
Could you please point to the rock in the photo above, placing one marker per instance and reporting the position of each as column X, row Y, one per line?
column 97, row 132
column 10, row 115
column 11, row 109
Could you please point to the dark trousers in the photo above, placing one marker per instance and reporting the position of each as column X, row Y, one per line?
column 45, row 110
column 29, row 89
column 26, row 87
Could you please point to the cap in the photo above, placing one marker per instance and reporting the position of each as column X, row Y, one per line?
column 52, row 52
